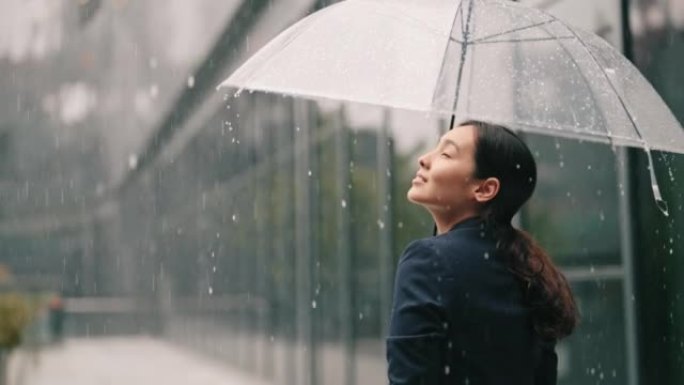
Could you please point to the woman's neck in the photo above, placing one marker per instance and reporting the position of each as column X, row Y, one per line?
column 445, row 221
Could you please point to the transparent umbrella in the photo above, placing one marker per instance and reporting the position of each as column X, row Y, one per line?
column 490, row 60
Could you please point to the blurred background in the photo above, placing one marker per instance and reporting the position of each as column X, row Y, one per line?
column 153, row 229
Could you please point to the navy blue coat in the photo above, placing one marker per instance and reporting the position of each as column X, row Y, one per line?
column 458, row 316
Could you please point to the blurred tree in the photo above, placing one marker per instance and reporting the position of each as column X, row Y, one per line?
column 15, row 315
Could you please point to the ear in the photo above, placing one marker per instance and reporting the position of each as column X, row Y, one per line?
column 487, row 190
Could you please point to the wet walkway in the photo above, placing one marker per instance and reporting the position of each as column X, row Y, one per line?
column 121, row 360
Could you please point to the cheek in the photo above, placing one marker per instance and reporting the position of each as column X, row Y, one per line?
column 451, row 178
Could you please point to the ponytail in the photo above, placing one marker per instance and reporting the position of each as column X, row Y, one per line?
column 545, row 289
column 500, row 153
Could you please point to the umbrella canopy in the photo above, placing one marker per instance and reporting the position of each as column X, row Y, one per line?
column 490, row 60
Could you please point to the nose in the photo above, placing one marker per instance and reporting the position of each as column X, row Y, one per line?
column 423, row 160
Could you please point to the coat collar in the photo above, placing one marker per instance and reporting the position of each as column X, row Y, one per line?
column 468, row 223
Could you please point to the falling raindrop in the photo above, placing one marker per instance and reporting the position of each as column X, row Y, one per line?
column 517, row 166
column 309, row 173
column 191, row 81
column 360, row 316
column 486, row 255
column 211, row 290
column 235, row 218
column 213, row 269
column 313, row 304
column 561, row 164
column 381, row 224
column 132, row 161
column 343, row 203
column 446, row 370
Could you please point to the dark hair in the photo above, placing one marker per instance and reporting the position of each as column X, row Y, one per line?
column 500, row 153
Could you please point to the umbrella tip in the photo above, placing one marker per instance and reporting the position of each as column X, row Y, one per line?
column 662, row 205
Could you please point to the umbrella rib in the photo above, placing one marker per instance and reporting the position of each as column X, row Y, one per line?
column 512, row 31
column 595, row 61
column 527, row 40
column 660, row 202
column 446, row 48
column 463, row 53
column 584, row 77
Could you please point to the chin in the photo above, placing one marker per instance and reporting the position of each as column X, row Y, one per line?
column 413, row 197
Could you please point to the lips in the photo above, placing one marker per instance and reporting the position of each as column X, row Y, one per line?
column 421, row 177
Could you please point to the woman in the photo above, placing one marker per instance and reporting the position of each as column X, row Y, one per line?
column 480, row 302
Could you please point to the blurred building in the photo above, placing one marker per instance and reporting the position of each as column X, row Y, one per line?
column 264, row 230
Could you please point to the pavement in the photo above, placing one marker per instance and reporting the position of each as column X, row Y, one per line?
column 121, row 360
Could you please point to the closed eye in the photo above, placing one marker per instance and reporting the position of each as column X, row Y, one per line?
column 445, row 155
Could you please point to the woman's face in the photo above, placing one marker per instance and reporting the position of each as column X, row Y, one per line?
column 444, row 181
